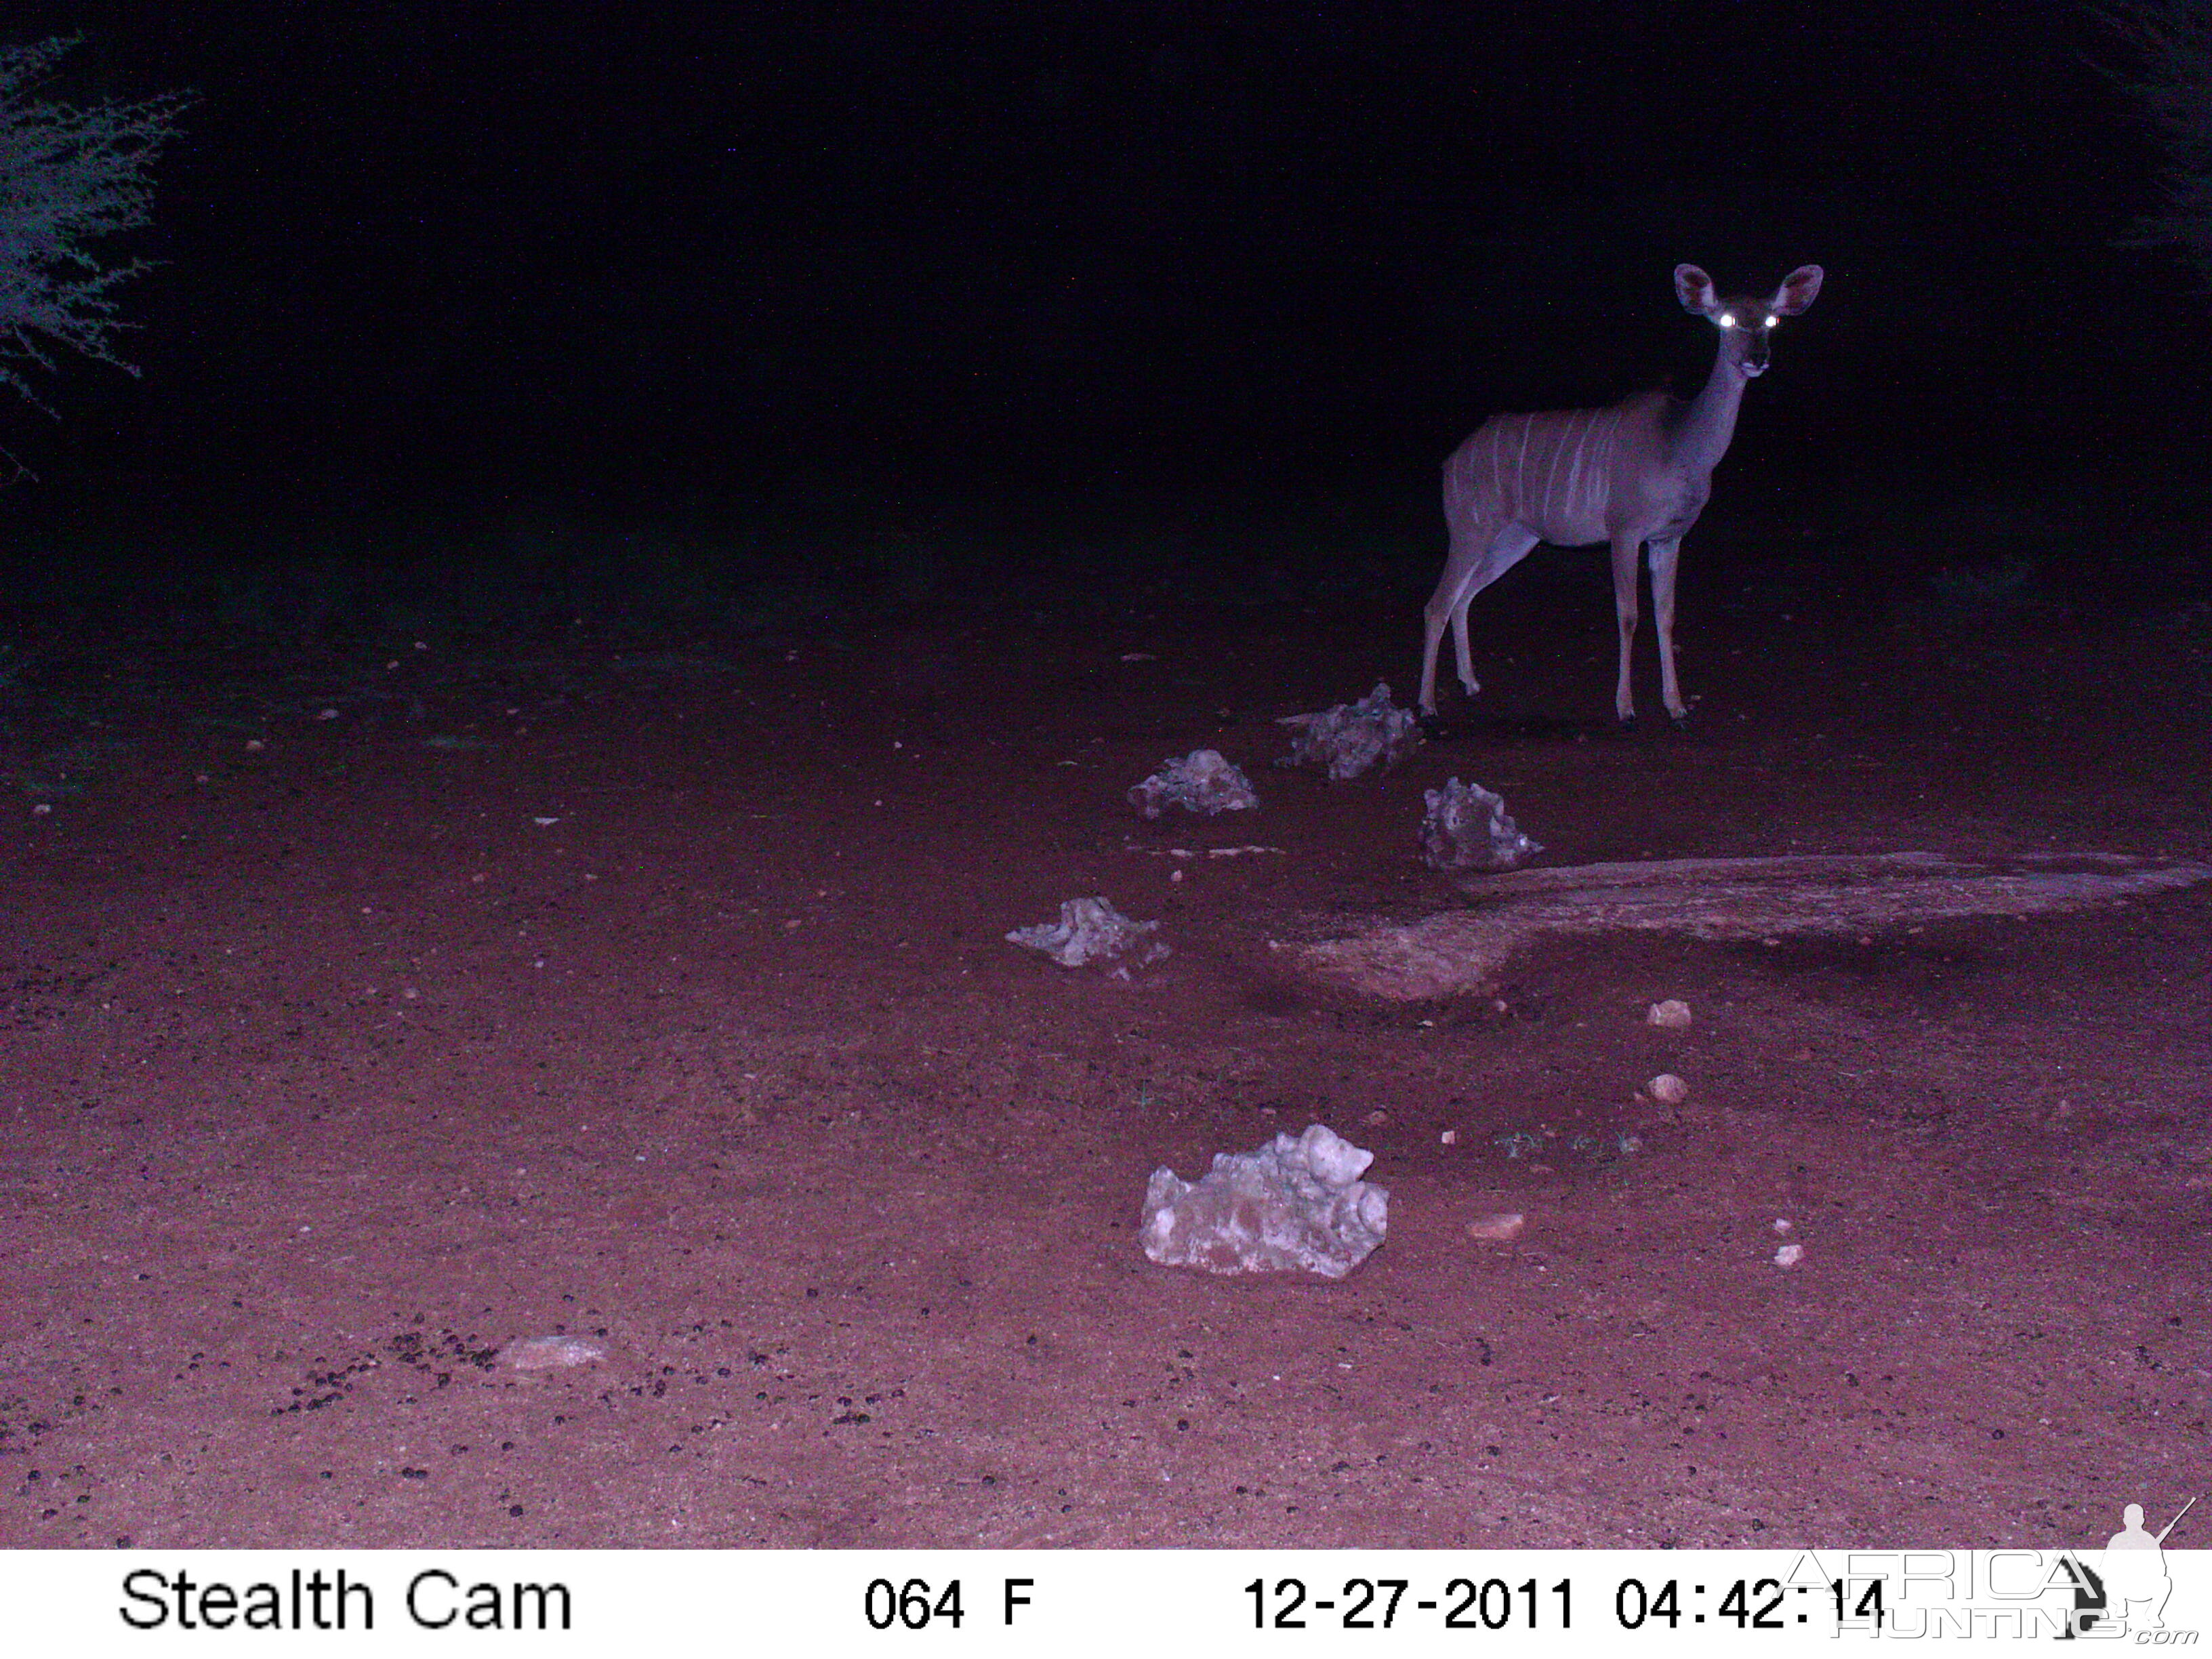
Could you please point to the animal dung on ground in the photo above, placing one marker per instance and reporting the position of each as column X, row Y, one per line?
column 1673, row 1016
column 1297, row 1203
column 1203, row 781
column 1467, row 829
column 1346, row 740
column 1198, row 852
column 1090, row 933
column 546, row 1353
column 1668, row 1089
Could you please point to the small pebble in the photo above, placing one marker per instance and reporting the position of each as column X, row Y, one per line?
column 1673, row 1015
column 1789, row 1255
column 1668, row 1089
column 1499, row 1229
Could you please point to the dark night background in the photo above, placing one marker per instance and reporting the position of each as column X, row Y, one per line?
column 766, row 275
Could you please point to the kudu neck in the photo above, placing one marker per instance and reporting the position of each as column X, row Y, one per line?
column 1703, row 426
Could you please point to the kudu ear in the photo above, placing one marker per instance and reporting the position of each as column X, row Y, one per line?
column 1799, row 289
column 1695, row 290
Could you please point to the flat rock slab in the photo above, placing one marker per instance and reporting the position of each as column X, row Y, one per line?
column 1462, row 950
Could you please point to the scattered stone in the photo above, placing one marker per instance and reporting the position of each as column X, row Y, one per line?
column 1450, row 1136
column 1202, row 781
column 1789, row 1255
column 1346, row 740
column 546, row 1353
column 1295, row 1203
column 1782, row 1224
column 1671, row 1014
column 1092, row 931
column 1467, row 829
column 1668, row 1089
column 1500, row 1229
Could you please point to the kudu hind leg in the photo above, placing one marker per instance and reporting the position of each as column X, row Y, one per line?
column 1446, row 608
column 1434, row 620
column 1497, row 552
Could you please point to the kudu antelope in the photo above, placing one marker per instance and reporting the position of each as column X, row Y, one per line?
column 1637, row 472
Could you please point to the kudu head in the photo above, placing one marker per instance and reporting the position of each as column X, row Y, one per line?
column 1745, row 322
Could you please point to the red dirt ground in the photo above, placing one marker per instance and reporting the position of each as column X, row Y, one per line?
column 662, row 998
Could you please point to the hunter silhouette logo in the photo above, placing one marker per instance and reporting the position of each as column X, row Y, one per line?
column 2136, row 1581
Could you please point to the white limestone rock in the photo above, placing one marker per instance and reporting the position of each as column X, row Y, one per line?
column 542, row 1353
column 1467, row 829
column 1501, row 1227
column 1203, row 781
column 1297, row 1203
column 1346, row 740
column 1090, row 933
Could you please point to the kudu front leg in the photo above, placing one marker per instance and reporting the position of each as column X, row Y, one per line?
column 1664, row 557
column 1624, row 610
column 1460, row 647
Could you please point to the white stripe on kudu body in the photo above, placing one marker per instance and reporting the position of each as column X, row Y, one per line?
column 1635, row 473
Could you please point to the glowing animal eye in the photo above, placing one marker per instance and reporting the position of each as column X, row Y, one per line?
column 1771, row 321
column 1728, row 319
